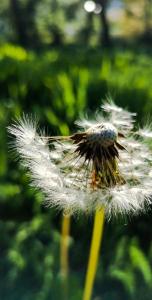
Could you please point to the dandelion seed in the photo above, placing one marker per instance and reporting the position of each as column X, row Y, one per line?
column 145, row 132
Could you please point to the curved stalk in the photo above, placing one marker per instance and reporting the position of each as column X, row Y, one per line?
column 94, row 253
column 64, row 258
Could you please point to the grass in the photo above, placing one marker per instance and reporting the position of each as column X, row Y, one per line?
column 58, row 86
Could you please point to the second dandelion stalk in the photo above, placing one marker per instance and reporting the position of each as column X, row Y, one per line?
column 94, row 253
column 64, row 259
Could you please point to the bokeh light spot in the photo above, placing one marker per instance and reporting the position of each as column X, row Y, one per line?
column 98, row 9
column 89, row 6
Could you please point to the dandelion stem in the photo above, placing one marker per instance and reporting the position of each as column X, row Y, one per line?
column 64, row 253
column 94, row 253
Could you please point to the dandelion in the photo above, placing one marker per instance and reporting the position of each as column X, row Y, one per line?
column 104, row 168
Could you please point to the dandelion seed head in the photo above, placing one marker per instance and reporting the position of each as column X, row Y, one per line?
column 104, row 164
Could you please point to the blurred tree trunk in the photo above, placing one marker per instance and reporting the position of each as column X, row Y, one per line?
column 105, row 35
column 89, row 28
column 57, row 40
column 23, row 21
column 87, row 31
column 33, row 36
column 148, row 15
column 18, row 22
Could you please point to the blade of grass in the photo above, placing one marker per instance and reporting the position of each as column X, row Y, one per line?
column 94, row 253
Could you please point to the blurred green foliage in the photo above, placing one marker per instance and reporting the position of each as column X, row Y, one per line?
column 57, row 87
column 37, row 24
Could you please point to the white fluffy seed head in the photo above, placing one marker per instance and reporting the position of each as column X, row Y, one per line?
column 64, row 176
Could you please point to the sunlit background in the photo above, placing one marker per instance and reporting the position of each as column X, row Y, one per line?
column 59, row 59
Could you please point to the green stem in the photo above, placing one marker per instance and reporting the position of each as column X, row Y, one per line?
column 64, row 259
column 94, row 253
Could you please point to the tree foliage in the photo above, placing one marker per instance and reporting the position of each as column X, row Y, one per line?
column 35, row 23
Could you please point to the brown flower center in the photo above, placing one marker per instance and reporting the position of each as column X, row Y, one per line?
column 99, row 146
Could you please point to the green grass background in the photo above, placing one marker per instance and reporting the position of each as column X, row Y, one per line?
column 59, row 86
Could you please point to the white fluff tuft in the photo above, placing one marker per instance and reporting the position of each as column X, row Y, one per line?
column 35, row 155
